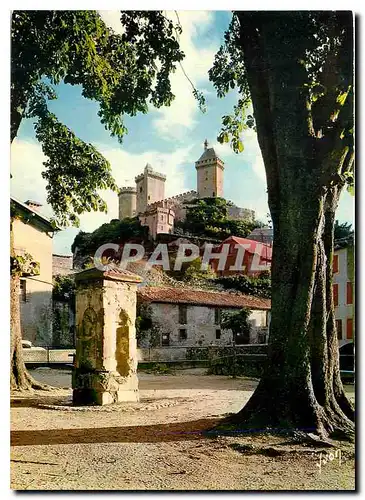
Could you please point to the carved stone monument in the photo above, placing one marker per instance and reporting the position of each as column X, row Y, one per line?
column 105, row 369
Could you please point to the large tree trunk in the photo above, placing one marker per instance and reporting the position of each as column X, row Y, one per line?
column 301, row 386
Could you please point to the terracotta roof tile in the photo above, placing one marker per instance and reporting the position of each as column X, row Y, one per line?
column 112, row 272
column 201, row 297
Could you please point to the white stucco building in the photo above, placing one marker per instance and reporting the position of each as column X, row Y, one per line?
column 191, row 317
column 33, row 234
column 344, row 290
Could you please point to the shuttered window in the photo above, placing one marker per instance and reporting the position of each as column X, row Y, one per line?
column 349, row 293
column 349, row 325
column 335, row 264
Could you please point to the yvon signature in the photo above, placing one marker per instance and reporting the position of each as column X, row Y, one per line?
column 324, row 458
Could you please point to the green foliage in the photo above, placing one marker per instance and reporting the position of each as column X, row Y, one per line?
column 237, row 322
column 24, row 265
column 193, row 272
column 325, row 41
column 123, row 73
column 115, row 231
column 244, row 366
column 343, row 230
column 146, row 331
column 258, row 286
column 209, row 217
column 228, row 72
column 64, row 289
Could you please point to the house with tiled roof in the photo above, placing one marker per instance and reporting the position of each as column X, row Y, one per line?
column 245, row 256
column 192, row 317
column 33, row 234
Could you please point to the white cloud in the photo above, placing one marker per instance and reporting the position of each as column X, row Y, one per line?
column 181, row 115
column 259, row 168
column 26, row 167
column 27, row 181
column 112, row 19
column 173, row 121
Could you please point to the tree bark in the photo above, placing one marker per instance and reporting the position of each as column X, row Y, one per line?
column 301, row 386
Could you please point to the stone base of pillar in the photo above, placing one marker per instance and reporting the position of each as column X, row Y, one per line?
column 103, row 388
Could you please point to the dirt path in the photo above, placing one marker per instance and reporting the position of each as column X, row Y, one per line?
column 156, row 444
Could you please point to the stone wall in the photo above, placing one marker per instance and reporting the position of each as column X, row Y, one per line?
column 201, row 329
column 106, row 350
column 63, row 325
column 238, row 213
column 150, row 187
column 62, row 265
column 210, row 181
column 127, row 202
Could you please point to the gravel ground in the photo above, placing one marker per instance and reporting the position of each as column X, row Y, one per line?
column 156, row 445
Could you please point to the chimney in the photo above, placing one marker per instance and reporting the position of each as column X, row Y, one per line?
column 34, row 205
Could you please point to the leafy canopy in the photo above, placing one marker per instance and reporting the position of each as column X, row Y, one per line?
column 209, row 217
column 258, row 286
column 327, row 84
column 343, row 230
column 237, row 322
column 115, row 231
column 123, row 73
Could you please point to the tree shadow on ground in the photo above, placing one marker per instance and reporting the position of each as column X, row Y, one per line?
column 179, row 431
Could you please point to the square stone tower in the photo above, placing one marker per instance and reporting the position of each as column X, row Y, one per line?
column 209, row 169
column 150, row 188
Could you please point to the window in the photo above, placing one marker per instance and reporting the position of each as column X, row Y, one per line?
column 140, row 189
column 349, row 293
column 183, row 315
column 23, row 290
column 349, row 326
column 218, row 333
column 213, row 194
column 182, row 334
column 217, row 316
column 335, row 294
column 165, row 339
column 335, row 264
column 339, row 328
column 149, row 197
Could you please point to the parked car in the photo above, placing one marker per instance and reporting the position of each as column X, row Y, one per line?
column 27, row 344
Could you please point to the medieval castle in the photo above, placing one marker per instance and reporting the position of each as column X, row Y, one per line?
column 147, row 198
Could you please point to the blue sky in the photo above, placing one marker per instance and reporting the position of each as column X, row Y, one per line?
column 170, row 139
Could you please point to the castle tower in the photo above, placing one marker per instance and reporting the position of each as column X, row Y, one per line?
column 150, row 188
column 127, row 202
column 209, row 174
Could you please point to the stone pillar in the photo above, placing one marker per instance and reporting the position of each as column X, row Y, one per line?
column 106, row 350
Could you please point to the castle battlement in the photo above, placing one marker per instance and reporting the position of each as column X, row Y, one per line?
column 173, row 200
column 147, row 201
column 128, row 189
column 148, row 170
column 183, row 196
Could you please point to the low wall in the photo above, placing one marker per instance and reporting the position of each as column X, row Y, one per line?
column 162, row 354
column 145, row 354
